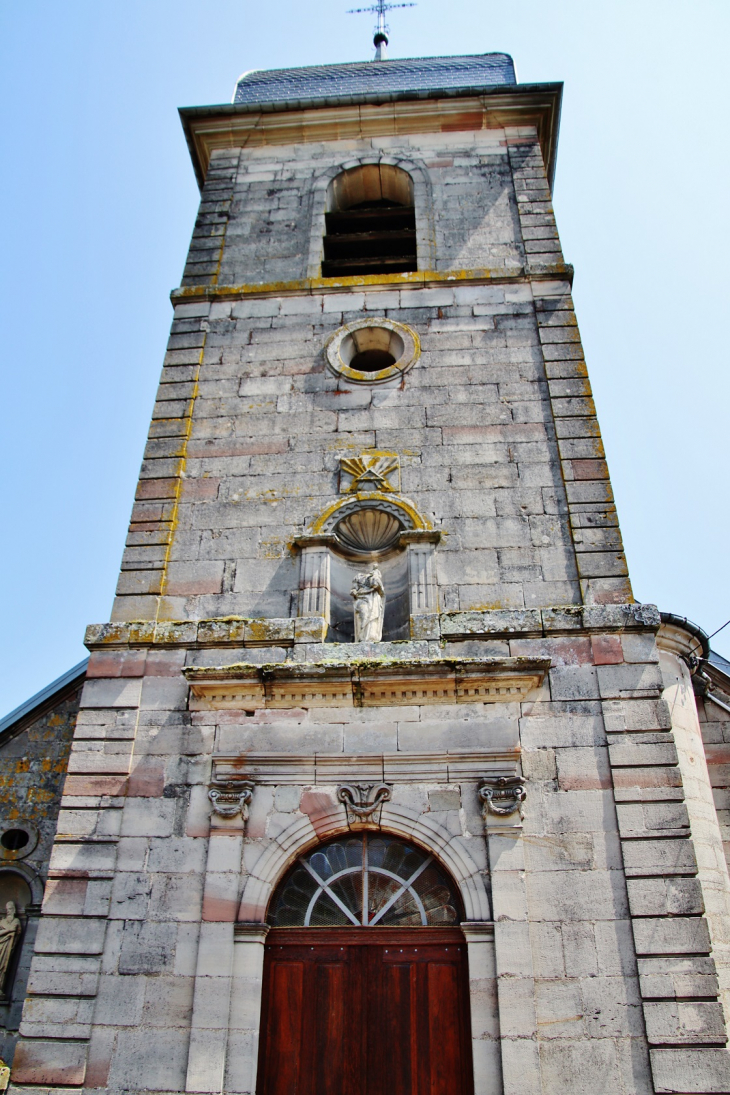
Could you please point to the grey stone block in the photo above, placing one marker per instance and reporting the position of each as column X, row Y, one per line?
column 696, row 1071
column 665, row 896
column 147, row 947
column 653, row 857
column 676, row 935
column 663, row 978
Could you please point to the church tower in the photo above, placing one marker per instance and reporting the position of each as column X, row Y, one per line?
column 375, row 785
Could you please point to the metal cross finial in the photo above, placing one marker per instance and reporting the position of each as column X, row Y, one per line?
column 380, row 39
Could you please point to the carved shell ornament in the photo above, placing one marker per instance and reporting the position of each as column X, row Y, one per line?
column 368, row 530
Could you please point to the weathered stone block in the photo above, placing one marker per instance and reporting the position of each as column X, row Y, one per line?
column 663, row 978
column 705, row 1071
column 653, row 857
column 50, row 1062
column 665, row 896
column 677, row 935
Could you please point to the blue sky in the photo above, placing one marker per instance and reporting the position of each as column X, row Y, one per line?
column 98, row 202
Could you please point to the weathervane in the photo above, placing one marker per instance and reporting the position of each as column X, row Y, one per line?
column 380, row 39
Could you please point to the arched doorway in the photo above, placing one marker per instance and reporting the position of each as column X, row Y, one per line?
column 365, row 975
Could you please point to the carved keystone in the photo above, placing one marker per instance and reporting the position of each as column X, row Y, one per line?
column 362, row 800
column 231, row 797
column 502, row 796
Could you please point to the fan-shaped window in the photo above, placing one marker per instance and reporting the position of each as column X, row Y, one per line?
column 365, row 881
column 370, row 223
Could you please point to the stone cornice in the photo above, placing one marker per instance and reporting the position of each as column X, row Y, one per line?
column 448, row 626
column 209, row 128
column 285, row 685
column 419, row 279
column 678, row 640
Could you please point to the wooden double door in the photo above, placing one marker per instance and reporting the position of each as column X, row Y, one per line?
column 371, row 1011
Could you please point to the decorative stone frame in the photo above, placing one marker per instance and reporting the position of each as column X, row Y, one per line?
column 14, row 988
column 10, row 855
column 405, row 360
column 31, row 878
column 223, row 1051
column 418, row 538
column 422, row 198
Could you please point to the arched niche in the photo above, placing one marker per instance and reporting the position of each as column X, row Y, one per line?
column 353, row 533
column 15, row 888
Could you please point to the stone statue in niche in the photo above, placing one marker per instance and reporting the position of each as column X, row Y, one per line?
column 368, row 594
column 10, row 928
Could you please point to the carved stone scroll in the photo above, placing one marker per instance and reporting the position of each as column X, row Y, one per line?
column 502, row 796
column 363, row 800
column 231, row 797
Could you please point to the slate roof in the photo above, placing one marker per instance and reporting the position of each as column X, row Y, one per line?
column 373, row 77
column 718, row 662
column 45, row 696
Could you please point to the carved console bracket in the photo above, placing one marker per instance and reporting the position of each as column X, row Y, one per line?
column 363, row 801
column 248, row 687
column 502, row 796
column 231, row 797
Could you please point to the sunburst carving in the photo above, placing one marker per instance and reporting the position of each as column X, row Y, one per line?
column 370, row 471
column 368, row 530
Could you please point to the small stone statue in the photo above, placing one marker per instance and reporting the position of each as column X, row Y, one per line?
column 368, row 594
column 10, row 928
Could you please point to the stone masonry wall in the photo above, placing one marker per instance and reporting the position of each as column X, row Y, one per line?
column 497, row 432
column 715, row 726
column 270, row 200
column 116, row 958
column 602, row 976
column 32, row 770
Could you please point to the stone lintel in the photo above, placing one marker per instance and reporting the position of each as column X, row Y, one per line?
column 371, row 684
column 329, row 770
column 407, row 536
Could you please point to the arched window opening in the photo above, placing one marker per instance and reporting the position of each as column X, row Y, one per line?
column 370, row 223
column 365, row 880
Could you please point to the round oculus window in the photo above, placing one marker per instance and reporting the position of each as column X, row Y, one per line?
column 17, row 840
column 14, row 839
column 372, row 351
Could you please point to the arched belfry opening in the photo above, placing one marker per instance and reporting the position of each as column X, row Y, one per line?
column 365, row 984
column 370, row 222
